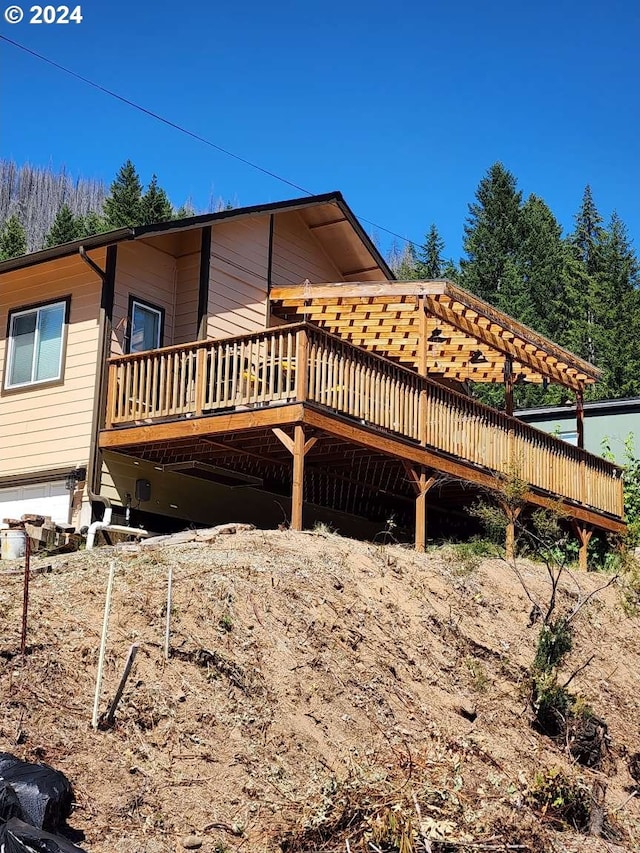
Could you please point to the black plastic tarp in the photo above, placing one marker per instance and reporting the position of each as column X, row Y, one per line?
column 16, row 836
column 35, row 801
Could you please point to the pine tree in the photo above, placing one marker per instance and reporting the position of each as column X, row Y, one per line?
column 409, row 267
column 585, row 244
column 13, row 239
column 155, row 205
column 588, row 233
column 541, row 263
column 492, row 234
column 123, row 206
column 430, row 256
column 66, row 227
column 451, row 270
column 616, row 312
column 92, row 223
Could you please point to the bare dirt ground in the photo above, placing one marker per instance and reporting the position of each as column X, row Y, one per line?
column 317, row 693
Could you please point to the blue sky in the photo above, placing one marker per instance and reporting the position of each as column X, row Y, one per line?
column 402, row 106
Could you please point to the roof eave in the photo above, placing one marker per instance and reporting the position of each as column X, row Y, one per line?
column 97, row 241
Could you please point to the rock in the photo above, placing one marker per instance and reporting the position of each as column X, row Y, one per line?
column 191, row 842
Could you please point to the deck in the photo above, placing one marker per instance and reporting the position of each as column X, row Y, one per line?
column 300, row 375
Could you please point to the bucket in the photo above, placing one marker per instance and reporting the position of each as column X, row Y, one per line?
column 12, row 544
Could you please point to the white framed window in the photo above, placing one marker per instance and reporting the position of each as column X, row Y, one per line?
column 36, row 344
column 145, row 325
column 570, row 436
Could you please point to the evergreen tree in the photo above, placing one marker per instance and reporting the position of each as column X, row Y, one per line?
column 616, row 312
column 588, row 233
column 66, row 227
column 123, row 206
column 92, row 223
column 430, row 255
column 13, row 239
column 451, row 270
column 492, row 235
column 585, row 244
column 155, row 205
column 541, row 264
column 409, row 267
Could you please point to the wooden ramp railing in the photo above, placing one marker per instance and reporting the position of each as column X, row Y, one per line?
column 303, row 363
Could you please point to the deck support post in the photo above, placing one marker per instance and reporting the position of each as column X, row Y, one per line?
column 421, row 485
column 580, row 417
column 508, row 385
column 422, row 367
column 584, row 533
column 298, row 448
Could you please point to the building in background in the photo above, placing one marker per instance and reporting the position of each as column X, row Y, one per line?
column 607, row 424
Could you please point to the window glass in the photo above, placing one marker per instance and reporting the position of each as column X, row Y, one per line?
column 47, row 360
column 35, row 345
column 145, row 328
column 571, row 437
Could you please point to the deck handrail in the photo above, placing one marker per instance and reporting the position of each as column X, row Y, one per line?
column 302, row 362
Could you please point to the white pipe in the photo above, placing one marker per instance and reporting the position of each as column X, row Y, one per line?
column 98, row 525
column 103, row 644
column 105, row 524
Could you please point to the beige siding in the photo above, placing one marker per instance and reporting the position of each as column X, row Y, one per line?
column 238, row 277
column 187, row 285
column 50, row 427
column 297, row 255
column 148, row 274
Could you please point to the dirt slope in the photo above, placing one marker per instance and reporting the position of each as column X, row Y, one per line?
column 329, row 697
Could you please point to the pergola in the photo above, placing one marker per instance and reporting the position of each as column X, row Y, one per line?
column 440, row 330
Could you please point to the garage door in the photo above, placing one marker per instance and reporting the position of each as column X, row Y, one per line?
column 41, row 499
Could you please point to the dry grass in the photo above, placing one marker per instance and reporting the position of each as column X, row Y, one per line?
column 314, row 697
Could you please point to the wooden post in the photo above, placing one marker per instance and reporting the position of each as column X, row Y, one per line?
column 200, row 379
column 508, row 385
column 422, row 336
column 422, row 368
column 421, row 484
column 111, row 714
column 580, row 416
column 584, row 534
column 111, row 396
column 302, row 365
column 298, row 448
column 298, row 477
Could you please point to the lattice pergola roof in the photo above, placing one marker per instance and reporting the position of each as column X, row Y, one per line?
column 435, row 327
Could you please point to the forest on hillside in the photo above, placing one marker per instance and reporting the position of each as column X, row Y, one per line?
column 579, row 289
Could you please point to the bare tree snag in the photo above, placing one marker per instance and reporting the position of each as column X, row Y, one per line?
column 511, row 514
column 584, row 534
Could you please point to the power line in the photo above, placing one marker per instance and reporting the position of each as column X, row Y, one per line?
column 185, row 130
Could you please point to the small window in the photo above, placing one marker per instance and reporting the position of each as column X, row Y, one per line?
column 571, row 437
column 36, row 337
column 145, row 325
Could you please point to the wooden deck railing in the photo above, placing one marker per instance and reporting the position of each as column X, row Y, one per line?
column 302, row 362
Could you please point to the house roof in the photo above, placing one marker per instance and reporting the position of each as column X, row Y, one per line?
column 456, row 337
column 326, row 224
column 624, row 406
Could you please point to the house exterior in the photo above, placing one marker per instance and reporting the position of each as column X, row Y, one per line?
column 607, row 424
column 186, row 370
